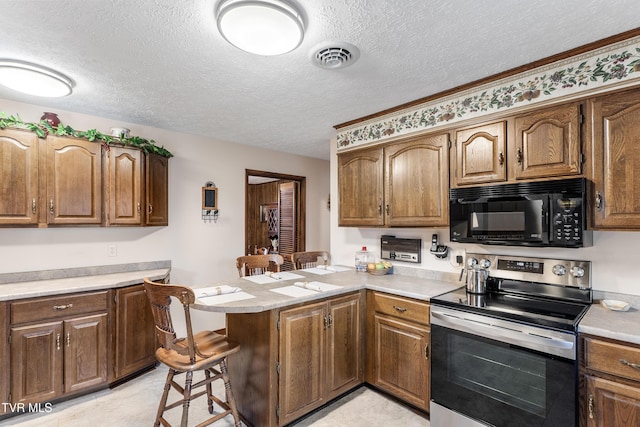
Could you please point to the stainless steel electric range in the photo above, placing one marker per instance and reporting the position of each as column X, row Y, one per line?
column 505, row 354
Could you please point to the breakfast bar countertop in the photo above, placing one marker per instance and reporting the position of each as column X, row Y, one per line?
column 265, row 296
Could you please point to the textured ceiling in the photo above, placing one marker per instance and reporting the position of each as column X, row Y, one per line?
column 162, row 63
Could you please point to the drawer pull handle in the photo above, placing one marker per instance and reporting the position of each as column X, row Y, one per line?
column 591, row 406
column 62, row 307
column 68, row 339
column 400, row 309
column 426, row 351
column 58, row 341
column 629, row 364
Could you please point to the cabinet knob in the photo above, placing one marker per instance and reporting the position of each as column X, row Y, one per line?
column 501, row 158
column 57, row 341
column 591, row 406
column 519, row 156
column 139, row 209
column 33, row 206
column 426, row 351
column 51, row 206
column 379, row 209
column 150, row 209
column 387, row 209
column 68, row 339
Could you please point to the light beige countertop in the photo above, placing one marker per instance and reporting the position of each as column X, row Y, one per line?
column 15, row 286
column 618, row 325
column 264, row 298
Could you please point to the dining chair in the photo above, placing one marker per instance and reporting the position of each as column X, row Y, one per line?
column 204, row 351
column 309, row 259
column 251, row 265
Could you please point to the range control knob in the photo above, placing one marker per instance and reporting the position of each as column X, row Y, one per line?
column 577, row 271
column 559, row 270
column 471, row 262
column 484, row 263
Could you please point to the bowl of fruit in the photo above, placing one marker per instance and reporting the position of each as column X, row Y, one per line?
column 379, row 268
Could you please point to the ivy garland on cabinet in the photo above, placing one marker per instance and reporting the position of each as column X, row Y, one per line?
column 43, row 128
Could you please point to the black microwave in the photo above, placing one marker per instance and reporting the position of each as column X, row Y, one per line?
column 550, row 213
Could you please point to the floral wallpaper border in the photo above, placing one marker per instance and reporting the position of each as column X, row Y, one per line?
column 613, row 64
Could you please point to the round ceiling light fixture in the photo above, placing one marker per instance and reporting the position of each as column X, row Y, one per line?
column 34, row 79
column 262, row 27
column 334, row 55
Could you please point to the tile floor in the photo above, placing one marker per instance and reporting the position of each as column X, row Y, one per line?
column 135, row 403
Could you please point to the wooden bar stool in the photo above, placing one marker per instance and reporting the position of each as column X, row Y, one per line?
column 205, row 351
column 251, row 265
column 309, row 259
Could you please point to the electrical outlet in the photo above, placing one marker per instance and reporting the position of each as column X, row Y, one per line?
column 112, row 250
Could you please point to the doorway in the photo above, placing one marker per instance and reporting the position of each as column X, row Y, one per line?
column 275, row 213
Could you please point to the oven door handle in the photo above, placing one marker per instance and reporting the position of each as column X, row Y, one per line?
column 513, row 336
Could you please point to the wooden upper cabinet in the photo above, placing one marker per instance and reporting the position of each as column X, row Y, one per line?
column 123, row 192
column 74, row 181
column 18, row 177
column 546, row 143
column 416, row 182
column 615, row 121
column 156, row 189
column 361, row 186
column 480, row 154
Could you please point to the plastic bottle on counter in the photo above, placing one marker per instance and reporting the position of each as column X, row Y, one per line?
column 363, row 257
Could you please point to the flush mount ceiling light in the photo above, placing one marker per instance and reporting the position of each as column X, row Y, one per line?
column 33, row 79
column 262, row 27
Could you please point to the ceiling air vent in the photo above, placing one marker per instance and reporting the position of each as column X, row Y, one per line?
column 335, row 55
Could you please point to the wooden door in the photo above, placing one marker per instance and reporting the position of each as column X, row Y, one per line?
column 85, row 352
column 18, row 177
column 156, row 189
column 288, row 213
column 547, row 143
column 361, row 187
column 36, row 362
column 302, row 353
column 611, row 404
column 417, row 182
column 74, row 181
column 344, row 368
column 124, row 173
column 135, row 331
column 480, row 154
column 615, row 120
column 401, row 357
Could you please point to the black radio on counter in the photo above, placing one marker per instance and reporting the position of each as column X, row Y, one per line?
column 399, row 249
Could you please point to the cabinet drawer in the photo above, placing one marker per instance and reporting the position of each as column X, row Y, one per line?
column 403, row 308
column 612, row 358
column 38, row 309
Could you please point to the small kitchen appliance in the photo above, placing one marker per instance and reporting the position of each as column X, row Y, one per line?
column 398, row 249
column 508, row 356
column 549, row 213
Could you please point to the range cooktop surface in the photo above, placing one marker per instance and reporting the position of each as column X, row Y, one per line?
column 539, row 311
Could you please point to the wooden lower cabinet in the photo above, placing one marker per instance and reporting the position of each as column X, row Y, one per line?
column 135, row 336
column 55, row 358
column 610, row 392
column 293, row 361
column 4, row 356
column 398, row 347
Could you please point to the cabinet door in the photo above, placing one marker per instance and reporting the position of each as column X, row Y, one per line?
column 361, row 186
column 611, row 404
column 401, row 357
column 157, row 189
column 417, row 182
column 18, row 177
column 85, row 352
column 135, row 331
column 344, row 351
column 74, row 181
column 36, row 362
column 5, row 366
column 546, row 143
column 480, row 154
column 123, row 191
column 616, row 151
column 302, row 353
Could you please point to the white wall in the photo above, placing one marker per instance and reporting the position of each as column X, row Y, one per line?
column 200, row 252
column 614, row 254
